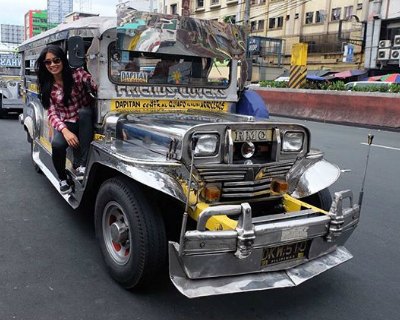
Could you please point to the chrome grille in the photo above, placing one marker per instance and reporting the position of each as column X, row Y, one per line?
column 241, row 182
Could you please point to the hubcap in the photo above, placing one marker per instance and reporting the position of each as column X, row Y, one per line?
column 119, row 232
column 116, row 233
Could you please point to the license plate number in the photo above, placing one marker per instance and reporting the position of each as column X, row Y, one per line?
column 251, row 135
column 284, row 253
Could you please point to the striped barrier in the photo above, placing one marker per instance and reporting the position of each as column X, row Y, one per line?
column 298, row 76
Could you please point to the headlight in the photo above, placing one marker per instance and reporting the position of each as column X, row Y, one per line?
column 248, row 149
column 292, row 141
column 207, row 145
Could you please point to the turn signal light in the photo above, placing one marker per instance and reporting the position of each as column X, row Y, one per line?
column 212, row 193
column 279, row 186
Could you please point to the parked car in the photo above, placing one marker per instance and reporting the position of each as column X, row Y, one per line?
column 368, row 86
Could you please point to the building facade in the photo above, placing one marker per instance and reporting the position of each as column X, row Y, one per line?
column 11, row 34
column 36, row 22
column 382, row 45
column 58, row 9
column 327, row 26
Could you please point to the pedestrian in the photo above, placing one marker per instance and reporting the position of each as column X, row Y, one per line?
column 64, row 93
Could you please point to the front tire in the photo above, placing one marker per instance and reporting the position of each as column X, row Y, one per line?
column 130, row 233
column 322, row 199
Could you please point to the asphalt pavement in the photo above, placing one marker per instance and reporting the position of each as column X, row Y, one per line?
column 51, row 267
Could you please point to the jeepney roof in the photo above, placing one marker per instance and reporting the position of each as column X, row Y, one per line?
column 97, row 25
column 179, row 35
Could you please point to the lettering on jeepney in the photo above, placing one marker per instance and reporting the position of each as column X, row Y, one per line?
column 168, row 92
column 294, row 233
column 144, row 105
column 251, row 135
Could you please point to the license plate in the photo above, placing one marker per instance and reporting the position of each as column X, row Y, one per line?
column 251, row 135
column 284, row 253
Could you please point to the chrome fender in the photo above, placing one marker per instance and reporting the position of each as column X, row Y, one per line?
column 31, row 119
column 155, row 175
column 310, row 175
column 29, row 125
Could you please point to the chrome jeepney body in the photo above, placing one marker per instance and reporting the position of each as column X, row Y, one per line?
column 234, row 184
column 10, row 95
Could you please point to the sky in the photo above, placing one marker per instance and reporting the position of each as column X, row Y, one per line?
column 13, row 11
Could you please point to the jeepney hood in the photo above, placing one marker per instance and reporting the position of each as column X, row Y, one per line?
column 169, row 137
column 170, row 134
column 158, row 131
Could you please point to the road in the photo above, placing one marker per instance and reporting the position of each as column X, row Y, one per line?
column 51, row 267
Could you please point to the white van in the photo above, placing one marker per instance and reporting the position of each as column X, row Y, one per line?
column 367, row 85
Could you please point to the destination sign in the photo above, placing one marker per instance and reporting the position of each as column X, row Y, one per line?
column 10, row 60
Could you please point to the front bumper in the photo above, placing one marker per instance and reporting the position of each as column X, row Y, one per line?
column 257, row 254
column 253, row 282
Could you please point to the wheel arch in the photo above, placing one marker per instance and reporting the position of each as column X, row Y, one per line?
column 100, row 172
column 31, row 120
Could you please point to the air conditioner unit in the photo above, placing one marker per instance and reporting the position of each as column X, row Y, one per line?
column 396, row 42
column 384, row 44
column 384, row 54
column 395, row 54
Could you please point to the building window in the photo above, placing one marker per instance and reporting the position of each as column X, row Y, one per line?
column 260, row 25
column 280, row 22
column 309, row 17
column 262, row 1
column 320, row 16
column 336, row 12
column 348, row 12
column 174, row 8
column 230, row 19
column 214, row 2
column 253, row 26
column 200, row 3
column 271, row 23
column 253, row 1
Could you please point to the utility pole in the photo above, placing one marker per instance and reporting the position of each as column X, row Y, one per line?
column 246, row 14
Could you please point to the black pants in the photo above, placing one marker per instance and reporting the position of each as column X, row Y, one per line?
column 83, row 129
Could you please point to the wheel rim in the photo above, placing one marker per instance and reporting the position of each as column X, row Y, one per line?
column 116, row 233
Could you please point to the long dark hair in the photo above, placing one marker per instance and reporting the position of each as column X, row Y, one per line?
column 46, row 79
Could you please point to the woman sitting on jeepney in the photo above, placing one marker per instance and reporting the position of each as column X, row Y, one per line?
column 64, row 94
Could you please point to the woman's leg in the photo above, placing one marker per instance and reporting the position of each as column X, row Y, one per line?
column 59, row 150
column 85, row 133
column 59, row 153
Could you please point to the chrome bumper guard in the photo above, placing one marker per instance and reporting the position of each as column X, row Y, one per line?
column 221, row 262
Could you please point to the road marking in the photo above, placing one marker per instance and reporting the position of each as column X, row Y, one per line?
column 380, row 146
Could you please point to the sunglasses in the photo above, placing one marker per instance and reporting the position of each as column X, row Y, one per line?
column 52, row 61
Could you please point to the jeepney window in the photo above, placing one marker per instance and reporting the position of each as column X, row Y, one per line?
column 10, row 71
column 135, row 68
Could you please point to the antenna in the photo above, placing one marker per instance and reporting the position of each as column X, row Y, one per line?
column 360, row 199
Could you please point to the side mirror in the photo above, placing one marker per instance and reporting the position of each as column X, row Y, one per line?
column 76, row 52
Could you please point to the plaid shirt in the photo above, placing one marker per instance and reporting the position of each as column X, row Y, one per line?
column 58, row 113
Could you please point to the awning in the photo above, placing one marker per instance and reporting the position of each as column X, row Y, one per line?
column 315, row 78
column 392, row 77
column 347, row 74
column 319, row 73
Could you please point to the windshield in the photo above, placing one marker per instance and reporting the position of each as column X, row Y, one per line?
column 10, row 71
column 135, row 68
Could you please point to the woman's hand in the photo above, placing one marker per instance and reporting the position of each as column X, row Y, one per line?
column 71, row 138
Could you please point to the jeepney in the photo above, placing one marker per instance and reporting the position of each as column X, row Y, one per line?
column 10, row 78
column 232, row 202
